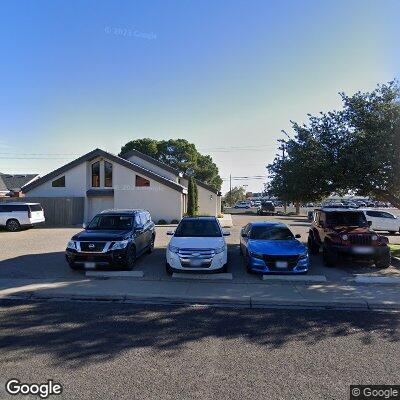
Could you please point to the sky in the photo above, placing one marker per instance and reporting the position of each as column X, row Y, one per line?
column 227, row 76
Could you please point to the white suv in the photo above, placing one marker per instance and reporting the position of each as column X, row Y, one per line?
column 198, row 244
column 382, row 220
column 14, row 216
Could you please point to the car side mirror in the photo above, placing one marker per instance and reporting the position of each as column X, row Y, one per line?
column 244, row 235
column 298, row 236
column 170, row 233
column 84, row 225
column 226, row 233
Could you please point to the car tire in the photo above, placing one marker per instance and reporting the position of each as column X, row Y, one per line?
column 168, row 268
column 130, row 258
column 13, row 225
column 384, row 261
column 329, row 257
column 392, row 232
column 151, row 247
column 246, row 261
column 313, row 247
column 74, row 266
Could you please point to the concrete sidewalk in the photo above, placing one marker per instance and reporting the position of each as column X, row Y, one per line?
column 314, row 295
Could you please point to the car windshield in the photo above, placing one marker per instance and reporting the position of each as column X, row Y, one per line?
column 346, row 219
column 198, row 228
column 271, row 233
column 111, row 222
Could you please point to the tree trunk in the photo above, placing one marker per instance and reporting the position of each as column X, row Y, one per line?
column 297, row 205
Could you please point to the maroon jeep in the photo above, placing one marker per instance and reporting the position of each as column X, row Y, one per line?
column 346, row 233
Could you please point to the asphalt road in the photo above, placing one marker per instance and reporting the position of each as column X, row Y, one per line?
column 39, row 253
column 126, row 351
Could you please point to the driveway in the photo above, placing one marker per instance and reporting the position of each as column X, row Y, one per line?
column 39, row 253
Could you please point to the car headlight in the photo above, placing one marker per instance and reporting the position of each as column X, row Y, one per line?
column 71, row 245
column 120, row 245
column 374, row 237
column 173, row 249
column 303, row 256
column 220, row 249
column 345, row 237
column 256, row 255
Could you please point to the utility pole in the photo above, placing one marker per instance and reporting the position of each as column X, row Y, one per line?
column 230, row 187
column 282, row 147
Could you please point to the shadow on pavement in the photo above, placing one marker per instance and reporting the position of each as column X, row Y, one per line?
column 79, row 333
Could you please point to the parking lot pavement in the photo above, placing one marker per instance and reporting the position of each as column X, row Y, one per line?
column 39, row 253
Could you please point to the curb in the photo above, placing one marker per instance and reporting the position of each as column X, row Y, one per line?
column 249, row 303
column 114, row 274
column 381, row 280
column 203, row 277
column 295, row 278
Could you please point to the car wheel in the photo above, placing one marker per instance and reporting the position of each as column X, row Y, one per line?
column 392, row 232
column 313, row 247
column 168, row 268
column 73, row 266
column 13, row 225
column 247, row 263
column 384, row 261
column 329, row 257
column 151, row 247
column 130, row 258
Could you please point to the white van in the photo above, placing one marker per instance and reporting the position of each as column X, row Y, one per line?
column 382, row 220
column 14, row 216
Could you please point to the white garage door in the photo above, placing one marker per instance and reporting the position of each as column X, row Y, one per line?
column 98, row 204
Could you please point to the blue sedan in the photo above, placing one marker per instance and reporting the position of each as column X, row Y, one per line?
column 270, row 247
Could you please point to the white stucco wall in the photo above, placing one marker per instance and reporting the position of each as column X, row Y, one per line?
column 153, row 168
column 160, row 200
column 75, row 185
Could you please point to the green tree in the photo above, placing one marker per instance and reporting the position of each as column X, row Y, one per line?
column 192, row 201
column 179, row 154
column 236, row 194
column 372, row 157
column 354, row 150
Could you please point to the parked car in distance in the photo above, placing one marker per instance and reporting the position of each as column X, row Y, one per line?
column 197, row 245
column 270, row 247
column 113, row 238
column 266, row 208
column 242, row 204
column 346, row 233
column 382, row 220
column 17, row 215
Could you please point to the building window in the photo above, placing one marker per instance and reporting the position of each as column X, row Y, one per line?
column 96, row 174
column 141, row 182
column 108, row 170
column 60, row 182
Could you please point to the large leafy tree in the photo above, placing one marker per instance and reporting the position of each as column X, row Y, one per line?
column 179, row 154
column 371, row 162
column 237, row 193
column 356, row 149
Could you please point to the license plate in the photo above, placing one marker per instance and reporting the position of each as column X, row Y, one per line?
column 281, row 264
column 362, row 250
column 90, row 265
column 196, row 263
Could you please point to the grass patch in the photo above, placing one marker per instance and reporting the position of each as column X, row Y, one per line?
column 395, row 249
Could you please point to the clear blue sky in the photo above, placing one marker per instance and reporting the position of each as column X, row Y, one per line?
column 76, row 75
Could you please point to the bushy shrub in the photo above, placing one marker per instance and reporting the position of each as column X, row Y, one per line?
column 174, row 221
column 162, row 222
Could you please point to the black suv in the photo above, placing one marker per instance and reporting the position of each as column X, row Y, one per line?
column 346, row 233
column 112, row 238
